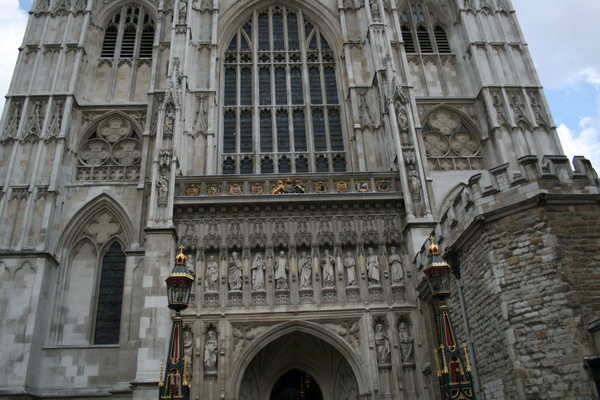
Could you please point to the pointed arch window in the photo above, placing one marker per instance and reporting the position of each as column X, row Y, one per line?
column 110, row 296
column 129, row 34
column 280, row 97
column 421, row 23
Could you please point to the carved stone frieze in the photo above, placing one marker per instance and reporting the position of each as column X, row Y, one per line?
column 242, row 334
column 349, row 330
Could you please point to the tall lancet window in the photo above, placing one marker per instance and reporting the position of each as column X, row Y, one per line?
column 422, row 30
column 281, row 104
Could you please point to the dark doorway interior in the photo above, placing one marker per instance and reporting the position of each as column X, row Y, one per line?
column 296, row 385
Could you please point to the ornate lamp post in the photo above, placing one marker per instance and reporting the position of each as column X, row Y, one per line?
column 176, row 383
column 454, row 371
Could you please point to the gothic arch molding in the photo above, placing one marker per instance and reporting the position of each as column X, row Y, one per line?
column 237, row 15
column 444, row 17
column 464, row 118
column 91, row 128
column 104, row 13
column 310, row 328
column 92, row 210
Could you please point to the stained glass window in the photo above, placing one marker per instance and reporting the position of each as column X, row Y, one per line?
column 280, row 98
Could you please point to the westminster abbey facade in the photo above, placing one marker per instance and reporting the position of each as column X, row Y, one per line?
column 301, row 153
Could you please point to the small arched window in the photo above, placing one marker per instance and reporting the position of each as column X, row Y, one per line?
column 419, row 22
column 129, row 34
column 110, row 296
column 280, row 96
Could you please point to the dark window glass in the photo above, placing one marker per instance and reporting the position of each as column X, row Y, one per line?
column 407, row 37
column 313, row 43
column 110, row 296
column 233, row 44
column 319, row 130
column 424, row 40
column 246, row 132
column 264, row 80
column 278, row 34
column 324, row 44
column 322, row 164
column 110, row 42
column 266, row 165
column 314, row 78
column 308, row 28
column 280, row 86
column 229, row 132
column 266, row 131
column 246, row 86
column 246, row 165
column 296, row 82
column 330, row 85
column 299, row 131
column 302, row 164
column 292, row 24
column 283, row 134
column 441, row 40
column 230, row 87
column 285, row 165
column 339, row 163
column 128, row 42
column 146, row 45
column 243, row 44
column 229, row 166
column 263, row 31
column 335, row 131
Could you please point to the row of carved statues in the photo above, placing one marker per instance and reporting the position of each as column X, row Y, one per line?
column 327, row 264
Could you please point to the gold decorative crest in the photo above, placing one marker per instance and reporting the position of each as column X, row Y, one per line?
column 320, row 186
column 342, row 186
column 192, row 190
column 213, row 190
column 363, row 186
column 235, row 189
column 257, row 188
column 383, row 185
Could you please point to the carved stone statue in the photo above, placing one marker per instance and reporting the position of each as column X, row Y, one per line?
column 395, row 267
column 163, row 188
column 373, row 268
column 211, row 281
column 235, row 272
column 281, row 268
column 188, row 343
column 375, row 11
column 406, row 342
column 382, row 344
column 210, row 352
column 328, row 263
column 350, row 264
column 305, row 271
column 258, row 272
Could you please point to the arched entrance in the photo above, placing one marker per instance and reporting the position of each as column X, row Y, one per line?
column 296, row 385
column 275, row 371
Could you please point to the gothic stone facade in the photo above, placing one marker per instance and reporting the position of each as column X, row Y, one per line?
column 301, row 152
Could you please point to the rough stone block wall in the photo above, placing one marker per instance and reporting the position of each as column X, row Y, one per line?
column 531, row 288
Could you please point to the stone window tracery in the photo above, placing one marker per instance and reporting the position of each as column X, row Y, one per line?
column 112, row 153
column 450, row 144
column 281, row 108
column 421, row 30
column 129, row 35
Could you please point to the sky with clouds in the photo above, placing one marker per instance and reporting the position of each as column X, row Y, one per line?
column 563, row 38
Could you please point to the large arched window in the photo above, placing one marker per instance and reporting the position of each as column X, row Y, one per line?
column 129, row 34
column 281, row 110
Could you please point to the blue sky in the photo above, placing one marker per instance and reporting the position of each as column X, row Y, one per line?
column 563, row 38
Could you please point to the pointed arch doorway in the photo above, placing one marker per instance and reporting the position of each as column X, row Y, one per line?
column 275, row 372
column 296, row 385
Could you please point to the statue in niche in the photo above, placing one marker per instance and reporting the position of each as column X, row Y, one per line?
column 235, row 272
column 182, row 11
column 373, row 269
column 375, row 11
column 350, row 265
column 281, row 268
column 188, row 343
column 163, row 187
column 258, row 272
column 395, row 267
column 211, row 281
column 305, row 271
column 169, row 123
column 328, row 264
column 382, row 344
column 210, row 352
column 406, row 342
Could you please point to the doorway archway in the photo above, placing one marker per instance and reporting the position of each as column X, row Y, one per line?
column 296, row 385
column 272, row 371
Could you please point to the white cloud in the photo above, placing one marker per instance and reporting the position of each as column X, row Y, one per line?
column 12, row 28
column 586, row 140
